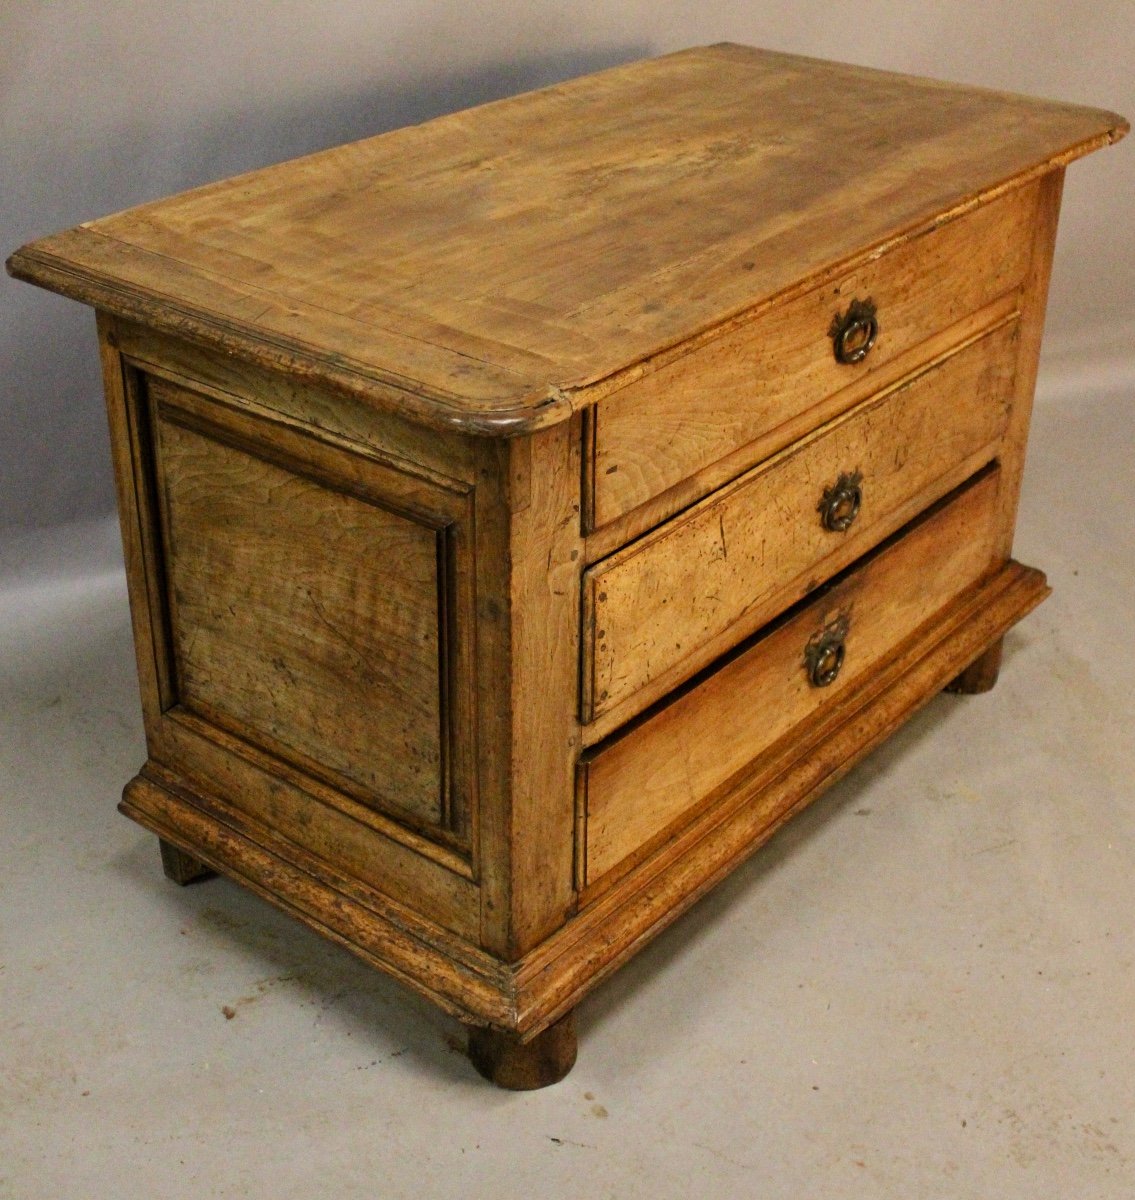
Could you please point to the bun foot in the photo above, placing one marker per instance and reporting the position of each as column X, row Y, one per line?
column 981, row 674
column 182, row 868
column 522, row 1067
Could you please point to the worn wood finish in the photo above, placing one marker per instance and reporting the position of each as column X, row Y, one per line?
column 635, row 787
column 545, row 553
column 408, row 866
column 527, row 996
column 1034, row 299
column 529, row 551
column 282, row 634
column 618, row 922
column 447, row 968
column 722, row 394
column 602, row 542
column 430, row 447
column 131, row 450
column 296, row 404
column 301, row 799
column 673, row 600
column 483, row 269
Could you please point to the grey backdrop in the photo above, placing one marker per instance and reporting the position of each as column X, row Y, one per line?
column 107, row 104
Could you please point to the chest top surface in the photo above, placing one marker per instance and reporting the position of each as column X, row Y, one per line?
column 484, row 269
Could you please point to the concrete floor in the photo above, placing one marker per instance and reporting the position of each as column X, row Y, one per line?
column 923, row 987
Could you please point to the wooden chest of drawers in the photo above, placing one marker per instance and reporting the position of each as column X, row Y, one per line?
column 527, row 512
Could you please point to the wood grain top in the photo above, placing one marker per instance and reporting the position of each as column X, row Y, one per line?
column 495, row 269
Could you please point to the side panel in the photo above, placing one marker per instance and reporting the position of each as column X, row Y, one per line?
column 303, row 612
column 1033, row 304
column 286, row 633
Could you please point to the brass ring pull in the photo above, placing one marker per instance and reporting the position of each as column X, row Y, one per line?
column 824, row 654
column 855, row 332
column 840, row 503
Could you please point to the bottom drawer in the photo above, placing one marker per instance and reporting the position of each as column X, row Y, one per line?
column 663, row 768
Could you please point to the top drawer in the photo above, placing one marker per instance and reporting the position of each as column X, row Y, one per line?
column 742, row 384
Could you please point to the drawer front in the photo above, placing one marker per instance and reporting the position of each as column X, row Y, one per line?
column 744, row 384
column 671, row 602
column 645, row 782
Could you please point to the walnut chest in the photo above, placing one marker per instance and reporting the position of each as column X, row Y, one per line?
column 528, row 511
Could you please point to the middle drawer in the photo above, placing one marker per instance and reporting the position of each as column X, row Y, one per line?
column 666, row 605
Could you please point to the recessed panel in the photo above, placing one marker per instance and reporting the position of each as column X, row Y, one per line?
column 307, row 619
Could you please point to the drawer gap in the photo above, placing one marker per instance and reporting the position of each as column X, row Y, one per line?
column 765, row 631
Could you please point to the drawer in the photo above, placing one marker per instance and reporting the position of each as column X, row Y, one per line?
column 660, row 609
column 764, row 374
column 648, row 780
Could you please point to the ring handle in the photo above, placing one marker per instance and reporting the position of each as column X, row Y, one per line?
column 854, row 333
column 839, row 505
column 825, row 652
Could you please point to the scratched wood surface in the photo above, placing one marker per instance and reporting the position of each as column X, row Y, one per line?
column 282, row 629
column 230, row 778
column 765, row 373
column 480, row 268
column 636, row 786
column 360, row 631
column 672, row 601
